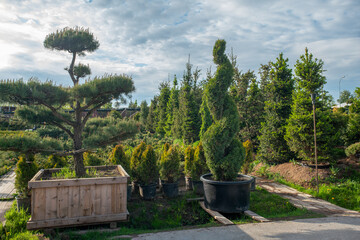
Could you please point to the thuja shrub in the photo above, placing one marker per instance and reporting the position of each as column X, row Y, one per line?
column 223, row 151
column 118, row 157
column 189, row 159
column 147, row 169
column 248, row 156
column 90, row 159
column 136, row 159
column 170, row 165
column 25, row 170
column 55, row 161
column 199, row 166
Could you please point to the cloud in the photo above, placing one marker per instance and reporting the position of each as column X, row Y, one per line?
column 151, row 39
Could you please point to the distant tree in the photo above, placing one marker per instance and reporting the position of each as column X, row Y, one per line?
column 144, row 112
column 345, row 97
column 299, row 130
column 172, row 108
column 273, row 147
column 133, row 105
column 162, row 107
column 353, row 125
column 152, row 117
column 43, row 102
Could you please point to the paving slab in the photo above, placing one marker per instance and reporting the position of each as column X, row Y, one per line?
column 7, row 189
column 338, row 227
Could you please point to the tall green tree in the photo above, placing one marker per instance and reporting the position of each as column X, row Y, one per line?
column 273, row 147
column 299, row 131
column 144, row 112
column 162, row 107
column 353, row 125
column 172, row 108
column 43, row 102
column 152, row 118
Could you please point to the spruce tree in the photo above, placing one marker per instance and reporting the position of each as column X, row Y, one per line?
column 162, row 107
column 152, row 118
column 172, row 107
column 300, row 129
column 273, row 147
column 44, row 102
column 144, row 112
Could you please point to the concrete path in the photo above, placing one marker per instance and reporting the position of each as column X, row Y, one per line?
column 303, row 200
column 315, row 228
column 7, row 189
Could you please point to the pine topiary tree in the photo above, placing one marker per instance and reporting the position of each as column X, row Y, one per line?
column 45, row 102
column 224, row 153
column 273, row 147
column 300, row 128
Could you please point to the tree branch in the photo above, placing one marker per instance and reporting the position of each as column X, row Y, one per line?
column 91, row 111
column 56, row 114
column 71, row 69
column 63, row 128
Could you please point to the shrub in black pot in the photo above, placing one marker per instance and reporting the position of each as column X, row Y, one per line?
column 118, row 157
column 134, row 164
column 170, row 172
column 198, row 169
column 224, row 189
column 25, row 171
column 148, row 174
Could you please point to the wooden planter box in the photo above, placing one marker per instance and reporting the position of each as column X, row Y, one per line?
column 69, row 202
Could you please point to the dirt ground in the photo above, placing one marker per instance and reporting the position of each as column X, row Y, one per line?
column 306, row 176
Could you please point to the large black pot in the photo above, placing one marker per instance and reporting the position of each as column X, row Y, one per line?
column 198, row 187
column 129, row 190
column 148, row 192
column 227, row 196
column 170, row 190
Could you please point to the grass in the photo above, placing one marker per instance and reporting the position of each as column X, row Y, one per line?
column 67, row 173
column 344, row 192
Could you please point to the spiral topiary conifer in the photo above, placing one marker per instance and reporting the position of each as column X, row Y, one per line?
column 223, row 151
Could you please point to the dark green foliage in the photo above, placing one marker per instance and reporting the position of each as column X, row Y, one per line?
column 115, row 114
column 147, row 169
column 353, row 150
column 353, row 126
column 172, row 110
column 189, row 160
column 136, row 160
column 118, row 157
column 90, row 159
column 206, row 119
column 224, row 153
column 25, row 171
column 199, row 166
column 162, row 107
column 144, row 112
column 152, row 118
column 345, row 97
column 73, row 40
column 52, row 132
column 55, row 161
column 169, row 164
column 273, row 147
column 299, row 131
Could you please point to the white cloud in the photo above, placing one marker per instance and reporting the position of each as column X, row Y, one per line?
column 152, row 39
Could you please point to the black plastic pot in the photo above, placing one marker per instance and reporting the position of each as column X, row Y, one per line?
column 227, row 196
column 148, row 192
column 24, row 203
column 253, row 184
column 188, row 183
column 170, row 190
column 129, row 190
column 198, row 187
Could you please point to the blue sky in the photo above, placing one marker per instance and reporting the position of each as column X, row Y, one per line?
column 151, row 40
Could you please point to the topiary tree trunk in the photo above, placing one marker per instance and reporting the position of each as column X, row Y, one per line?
column 224, row 152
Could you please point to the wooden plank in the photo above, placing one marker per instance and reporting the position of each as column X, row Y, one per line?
column 97, row 201
column 122, row 198
column 255, row 216
column 195, row 199
column 39, row 204
column 37, row 176
column 32, row 224
column 105, row 199
column 74, row 202
column 77, row 182
column 85, row 203
column 114, row 197
column 123, row 172
column 63, row 202
column 217, row 216
column 51, row 203
column 92, row 201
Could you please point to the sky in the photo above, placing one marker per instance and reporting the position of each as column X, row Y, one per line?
column 151, row 40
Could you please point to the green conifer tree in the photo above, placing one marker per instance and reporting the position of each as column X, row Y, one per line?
column 162, row 107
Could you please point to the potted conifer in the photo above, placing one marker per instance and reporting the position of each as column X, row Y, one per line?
column 189, row 159
column 148, row 174
column 134, row 165
column 170, row 171
column 198, row 169
column 118, row 157
column 224, row 189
